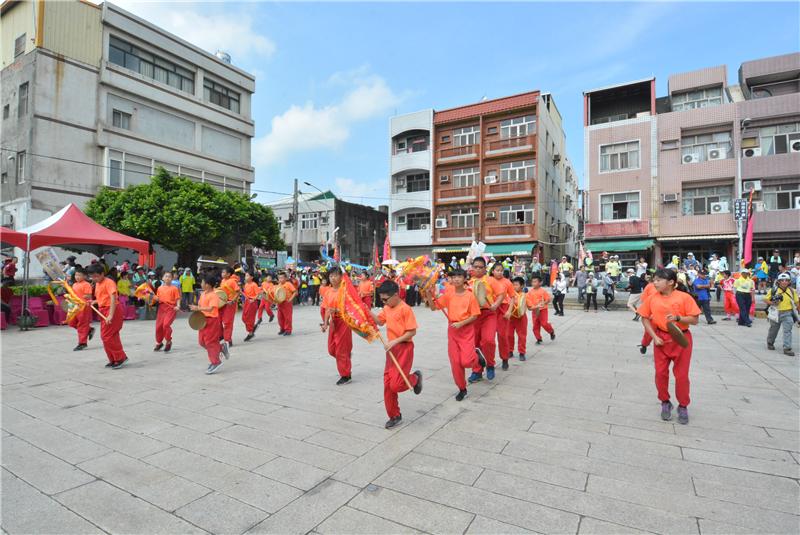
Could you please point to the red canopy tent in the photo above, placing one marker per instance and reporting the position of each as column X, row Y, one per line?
column 12, row 238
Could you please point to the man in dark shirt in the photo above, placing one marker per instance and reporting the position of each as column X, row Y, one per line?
column 635, row 288
column 701, row 286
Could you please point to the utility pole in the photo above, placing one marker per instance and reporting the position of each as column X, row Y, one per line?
column 295, row 224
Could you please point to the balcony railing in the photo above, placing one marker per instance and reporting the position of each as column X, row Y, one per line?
column 410, row 150
column 458, row 193
column 509, row 188
column 517, row 230
column 512, row 144
column 459, row 153
column 454, row 233
column 616, row 228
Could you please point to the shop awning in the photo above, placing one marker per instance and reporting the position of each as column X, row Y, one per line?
column 510, row 249
column 452, row 249
column 613, row 246
column 698, row 238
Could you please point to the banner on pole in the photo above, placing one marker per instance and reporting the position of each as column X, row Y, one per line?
column 51, row 264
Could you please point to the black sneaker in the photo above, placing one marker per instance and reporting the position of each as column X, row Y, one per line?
column 769, row 346
column 248, row 337
column 522, row 357
column 666, row 411
column 168, row 347
column 418, row 386
column 461, row 395
column 636, row 317
column 118, row 365
column 109, row 364
column 91, row 333
column 712, row 322
column 538, row 342
column 683, row 415
column 343, row 381
column 511, row 354
column 280, row 333
column 552, row 336
column 79, row 347
column 642, row 349
column 505, row 364
column 255, row 327
column 225, row 350
column 213, row 368
column 287, row 333
column 259, row 321
column 393, row 421
column 158, row 347
column 481, row 358
column 271, row 319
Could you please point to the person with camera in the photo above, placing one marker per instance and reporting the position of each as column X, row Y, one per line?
column 783, row 305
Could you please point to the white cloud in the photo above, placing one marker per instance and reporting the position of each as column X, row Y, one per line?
column 231, row 30
column 309, row 127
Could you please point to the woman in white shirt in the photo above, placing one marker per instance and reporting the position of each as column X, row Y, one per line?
column 559, row 291
column 641, row 267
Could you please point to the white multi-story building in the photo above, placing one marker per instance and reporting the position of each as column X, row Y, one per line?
column 410, row 229
column 93, row 96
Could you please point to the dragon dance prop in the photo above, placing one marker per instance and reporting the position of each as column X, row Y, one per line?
column 73, row 303
column 359, row 319
column 144, row 292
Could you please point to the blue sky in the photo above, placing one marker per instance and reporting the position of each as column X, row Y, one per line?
column 329, row 75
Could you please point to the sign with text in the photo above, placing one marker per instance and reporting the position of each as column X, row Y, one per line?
column 740, row 209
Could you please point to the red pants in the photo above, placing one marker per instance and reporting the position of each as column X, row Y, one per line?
column 646, row 338
column 731, row 307
column 368, row 300
column 681, row 357
column 164, row 318
column 518, row 326
column 109, row 333
column 461, row 351
column 503, row 328
column 82, row 322
column 249, row 310
column 208, row 338
column 540, row 321
column 227, row 315
column 340, row 345
column 285, row 316
column 393, row 382
column 262, row 306
column 485, row 332
column 322, row 312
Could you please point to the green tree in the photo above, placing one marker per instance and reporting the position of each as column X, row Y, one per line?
column 187, row 217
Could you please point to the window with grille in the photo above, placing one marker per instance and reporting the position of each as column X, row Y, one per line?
column 469, row 135
column 517, row 171
column 150, row 65
column 780, row 139
column 19, row 46
column 308, row 221
column 464, row 218
column 418, row 182
column 703, row 147
column 619, row 206
column 518, row 127
column 415, row 220
column 120, row 119
column 220, row 95
column 701, row 98
column 21, row 164
column 782, row 197
column 465, row 178
column 619, row 156
column 697, row 201
column 516, row 214
column 22, row 101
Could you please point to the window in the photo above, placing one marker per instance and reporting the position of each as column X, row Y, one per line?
column 22, row 107
column 619, row 156
column 465, row 178
column 616, row 206
column 445, row 139
column 400, row 147
column 516, row 214
column 120, row 119
column 517, row 171
column 21, row 167
column 517, row 127
column 6, row 111
column 419, row 144
column 780, row 139
column 469, row 135
column 782, row 197
column 362, row 228
column 697, row 201
column 464, row 218
column 706, row 147
column 702, row 98
column 149, row 65
column 414, row 221
column 221, row 95
column 308, row 221
column 4, row 178
column 492, row 130
column 19, row 46
column 610, row 118
column 115, row 173
column 419, row 182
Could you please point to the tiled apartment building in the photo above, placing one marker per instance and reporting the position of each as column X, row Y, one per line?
column 497, row 172
column 662, row 173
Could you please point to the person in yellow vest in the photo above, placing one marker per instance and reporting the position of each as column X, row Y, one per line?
column 785, row 302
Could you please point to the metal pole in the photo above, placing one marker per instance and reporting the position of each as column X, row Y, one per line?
column 738, row 193
column 295, row 224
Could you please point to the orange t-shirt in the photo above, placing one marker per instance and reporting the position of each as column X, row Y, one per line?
column 103, row 291
column 168, row 294
column 648, row 292
column 231, row 288
column 82, row 289
column 460, row 306
column 505, row 287
column 537, row 296
column 267, row 287
column 209, row 299
column 365, row 288
column 323, row 291
column 251, row 290
column 659, row 305
column 329, row 298
column 290, row 291
column 398, row 319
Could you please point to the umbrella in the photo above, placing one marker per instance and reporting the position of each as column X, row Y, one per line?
column 390, row 262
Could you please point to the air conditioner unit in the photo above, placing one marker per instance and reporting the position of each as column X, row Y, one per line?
column 441, row 223
column 490, row 179
column 717, row 154
column 758, row 206
column 491, row 215
column 669, row 197
column 749, row 153
column 794, row 146
column 720, row 208
column 424, row 226
column 691, row 158
column 748, row 185
column 556, row 158
column 444, row 179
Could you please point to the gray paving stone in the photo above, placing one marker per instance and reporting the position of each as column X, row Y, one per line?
column 113, row 437
column 342, row 443
column 784, row 499
column 126, row 419
column 259, row 491
column 488, row 526
column 299, row 475
column 460, row 472
column 202, row 422
column 62, row 444
column 115, row 511
column 305, row 513
column 217, row 513
column 786, row 467
column 26, row 510
column 222, row 450
column 592, row 526
column 478, row 442
column 48, row 474
column 713, row 527
column 265, row 422
column 198, row 468
column 373, row 432
column 348, row 520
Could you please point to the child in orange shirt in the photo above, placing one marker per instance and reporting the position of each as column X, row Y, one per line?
column 670, row 305
column 230, row 285
column 250, row 306
column 486, row 325
column 366, row 289
column 266, row 301
column 168, row 298
column 462, row 314
column 340, row 337
column 324, row 288
column 517, row 320
column 82, row 321
column 401, row 326
column 285, row 309
column 209, row 336
column 107, row 300
column 647, row 293
column 537, row 300
column 503, row 324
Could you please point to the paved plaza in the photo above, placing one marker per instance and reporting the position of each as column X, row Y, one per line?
column 568, row 442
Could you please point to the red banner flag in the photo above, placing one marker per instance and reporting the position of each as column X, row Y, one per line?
column 354, row 312
column 387, row 247
column 748, row 237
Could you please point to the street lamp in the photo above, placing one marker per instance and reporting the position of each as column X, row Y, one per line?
column 738, row 192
